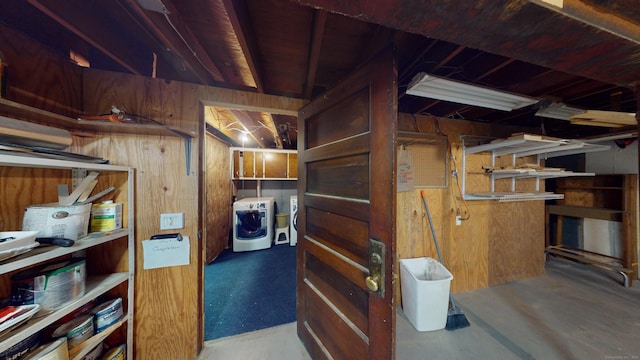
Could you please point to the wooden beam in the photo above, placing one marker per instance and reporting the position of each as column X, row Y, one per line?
column 192, row 42
column 82, row 27
column 599, row 17
column 244, row 100
column 607, row 117
column 319, row 22
column 239, row 18
column 174, row 44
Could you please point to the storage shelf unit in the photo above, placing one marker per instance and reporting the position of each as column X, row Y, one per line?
column 110, row 255
column 608, row 197
column 516, row 147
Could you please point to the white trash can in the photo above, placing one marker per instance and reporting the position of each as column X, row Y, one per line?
column 425, row 286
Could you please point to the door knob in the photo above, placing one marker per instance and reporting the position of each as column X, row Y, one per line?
column 373, row 282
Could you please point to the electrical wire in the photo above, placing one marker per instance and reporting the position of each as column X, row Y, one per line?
column 193, row 52
column 455, row 173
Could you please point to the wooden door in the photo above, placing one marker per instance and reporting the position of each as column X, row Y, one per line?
column 346, row 197
column 218, row 206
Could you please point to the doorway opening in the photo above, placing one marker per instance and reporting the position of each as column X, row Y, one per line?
column 247, row 289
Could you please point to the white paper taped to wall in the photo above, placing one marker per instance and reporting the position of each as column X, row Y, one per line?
column 165, row 252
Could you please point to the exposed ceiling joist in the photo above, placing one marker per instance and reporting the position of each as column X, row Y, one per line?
column 319, row 22
column 545, row 37
column 239, row 18
column 181, row 41
column 87, row 31
column 597, row 16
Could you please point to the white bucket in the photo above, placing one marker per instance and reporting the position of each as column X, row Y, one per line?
column 425, row 284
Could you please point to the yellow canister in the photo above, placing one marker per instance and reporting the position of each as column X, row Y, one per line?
column 106, row 216
column 117, row 353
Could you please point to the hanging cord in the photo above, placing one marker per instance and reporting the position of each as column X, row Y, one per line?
column 459, row 211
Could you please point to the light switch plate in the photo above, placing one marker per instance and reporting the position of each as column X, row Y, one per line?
column 171, row 221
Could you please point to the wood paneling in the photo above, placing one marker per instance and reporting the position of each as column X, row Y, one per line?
column 516, row 241
column 167, row 295
column 217, row 215
column 497, row 243
column 57, row 85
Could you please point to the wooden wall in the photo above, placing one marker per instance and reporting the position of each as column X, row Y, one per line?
column 167, row 295
column 169, row 304
column 58, row 84
column 500, row 242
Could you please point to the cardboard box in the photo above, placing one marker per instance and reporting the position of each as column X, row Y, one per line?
column 106, row 217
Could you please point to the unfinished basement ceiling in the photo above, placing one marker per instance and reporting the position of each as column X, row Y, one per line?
column 585, row 54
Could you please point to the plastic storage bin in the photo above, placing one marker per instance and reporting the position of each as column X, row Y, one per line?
column 425, row 284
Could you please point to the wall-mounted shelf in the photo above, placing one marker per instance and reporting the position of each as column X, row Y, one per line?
column 29, row 113
column 518, row 147
column 263, row 164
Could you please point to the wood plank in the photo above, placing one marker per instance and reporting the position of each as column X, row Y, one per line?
column 26, row 133
column 606, row 117
column 586, row 212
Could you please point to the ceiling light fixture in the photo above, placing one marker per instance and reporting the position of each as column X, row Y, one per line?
column 559, row 111
column 434, row 87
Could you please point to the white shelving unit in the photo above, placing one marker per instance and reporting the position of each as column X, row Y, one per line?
column 106, row 281
column 519, row 147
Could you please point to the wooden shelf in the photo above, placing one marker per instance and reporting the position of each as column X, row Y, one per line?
column 586, row 212
column 95, row 286
column 28, row 113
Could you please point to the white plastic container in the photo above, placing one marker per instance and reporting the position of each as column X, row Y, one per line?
column 425, row 284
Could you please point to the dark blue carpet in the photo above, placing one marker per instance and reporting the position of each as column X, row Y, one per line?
column 249, row 291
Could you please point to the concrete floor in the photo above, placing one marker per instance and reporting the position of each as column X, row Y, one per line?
column 573, row 312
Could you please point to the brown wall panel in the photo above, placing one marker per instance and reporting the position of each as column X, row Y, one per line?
column 516, row 241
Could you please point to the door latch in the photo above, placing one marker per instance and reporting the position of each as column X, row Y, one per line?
column 375, row 280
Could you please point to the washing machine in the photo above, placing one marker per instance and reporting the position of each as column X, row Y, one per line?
column 253, row 220
column 293, row 220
